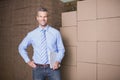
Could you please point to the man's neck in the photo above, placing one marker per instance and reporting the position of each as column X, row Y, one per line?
column 42, row 26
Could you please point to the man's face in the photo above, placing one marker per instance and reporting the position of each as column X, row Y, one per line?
column 42, row 18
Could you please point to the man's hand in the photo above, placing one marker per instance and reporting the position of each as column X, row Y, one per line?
column 56, row 65
column 31, row 64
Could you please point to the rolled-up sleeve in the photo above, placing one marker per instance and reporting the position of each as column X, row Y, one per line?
column 23, row 46
column 60, row 47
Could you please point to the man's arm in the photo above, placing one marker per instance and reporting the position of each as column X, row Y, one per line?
column 60, row 47
column 22, row 48
column 61, row 51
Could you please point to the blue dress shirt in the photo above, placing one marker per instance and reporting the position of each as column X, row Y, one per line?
column 54, row 44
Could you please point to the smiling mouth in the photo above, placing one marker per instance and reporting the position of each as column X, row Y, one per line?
column 43, row 23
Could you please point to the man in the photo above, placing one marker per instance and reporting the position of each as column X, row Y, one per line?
column 44, row 39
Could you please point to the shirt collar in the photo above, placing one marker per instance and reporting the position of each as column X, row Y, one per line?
column 46, row 28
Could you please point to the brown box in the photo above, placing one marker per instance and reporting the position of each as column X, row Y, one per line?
column 86, row 9
column 22, row 16
column 108, row 8
column 86, row 71
column 108, row 29
column 69, row 35
column 5, row 16
column 87, row 52
column 108, row 72
column 109, row 53
column 70, row 56
column 36, row 2
column 4, row 3
column 69, row 73
column 21, row 4
column 87, row 30
column 69, row 18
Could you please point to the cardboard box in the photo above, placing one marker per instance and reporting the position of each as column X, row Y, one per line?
column 86, row 9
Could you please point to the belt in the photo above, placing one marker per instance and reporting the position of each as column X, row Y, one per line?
column 42, row 65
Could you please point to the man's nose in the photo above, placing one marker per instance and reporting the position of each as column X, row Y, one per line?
column 43, row 18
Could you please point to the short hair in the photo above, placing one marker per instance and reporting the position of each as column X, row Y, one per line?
column 43, row 9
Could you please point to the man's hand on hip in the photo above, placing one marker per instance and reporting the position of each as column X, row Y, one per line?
column 31, row 64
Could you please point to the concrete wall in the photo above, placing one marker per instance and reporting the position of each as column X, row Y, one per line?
column 92, row 39
column 17, row 18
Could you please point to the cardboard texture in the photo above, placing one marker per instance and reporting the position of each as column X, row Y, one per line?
column 69, row 73
column 91, row 36
column 70, row 56
column 109, row 53
column 69, row 19
column 86, row 10
column 108, row 8
column 87, row 31
column 86, row 52
column 86, row 71
column 69, row 35
column 108, row 29
column 108, row 72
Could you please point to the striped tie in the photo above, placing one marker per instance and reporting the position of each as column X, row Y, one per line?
column 43, row 46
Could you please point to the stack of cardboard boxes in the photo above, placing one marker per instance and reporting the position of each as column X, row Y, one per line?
column 92, row 40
